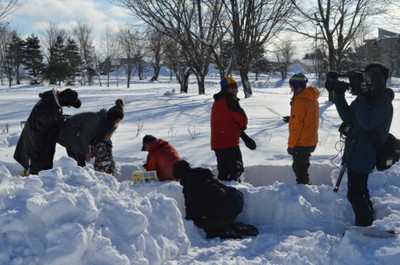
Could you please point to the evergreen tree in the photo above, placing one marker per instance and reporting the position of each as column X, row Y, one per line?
column 57, row 68
column 33, row 57
column 73, row 58
column 13, row 58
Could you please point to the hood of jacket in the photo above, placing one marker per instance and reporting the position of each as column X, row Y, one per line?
column 223, row 94
column 310, row 92
column 49, row 95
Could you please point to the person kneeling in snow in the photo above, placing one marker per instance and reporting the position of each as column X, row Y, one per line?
column 211, row 205
column 161, row 157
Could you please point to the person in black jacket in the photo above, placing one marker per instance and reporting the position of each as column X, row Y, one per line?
column 36, row 146
column 211, row 205
column 81, row 131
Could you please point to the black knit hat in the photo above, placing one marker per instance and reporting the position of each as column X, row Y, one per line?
column 180, row 169
column 69, row 97
column 147, row 139
column 116, row 112
column 384, row 70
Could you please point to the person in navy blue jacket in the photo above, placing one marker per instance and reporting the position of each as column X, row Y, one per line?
column 370, row 113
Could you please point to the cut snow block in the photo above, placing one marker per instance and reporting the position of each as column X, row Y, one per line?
column 372, row 231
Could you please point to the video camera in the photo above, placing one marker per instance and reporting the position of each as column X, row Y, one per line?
column 356, row 83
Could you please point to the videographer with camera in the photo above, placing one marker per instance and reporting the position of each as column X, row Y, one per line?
column 369, row 113
column 303, row 125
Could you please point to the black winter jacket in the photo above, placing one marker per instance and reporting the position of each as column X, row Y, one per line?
column 79, row 131
column 206, row 198
column 36, row 146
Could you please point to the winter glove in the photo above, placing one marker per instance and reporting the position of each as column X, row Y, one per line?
column 331, row 80
column 341, row 87
column 290, row 150
column 286, row 118
column 250, row 143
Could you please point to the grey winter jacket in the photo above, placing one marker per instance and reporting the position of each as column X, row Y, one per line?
column 79, row 131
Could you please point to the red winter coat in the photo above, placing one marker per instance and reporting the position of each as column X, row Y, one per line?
column 161, row 158
column 228, row 120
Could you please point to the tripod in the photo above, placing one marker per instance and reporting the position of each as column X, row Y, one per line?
column 343, row 167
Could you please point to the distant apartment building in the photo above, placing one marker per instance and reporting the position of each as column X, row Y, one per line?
column 385, row 49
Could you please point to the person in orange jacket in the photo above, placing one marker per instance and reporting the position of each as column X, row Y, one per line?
column 161, row 157
column 303, row 125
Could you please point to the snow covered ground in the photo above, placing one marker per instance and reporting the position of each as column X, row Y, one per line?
column 73, row 215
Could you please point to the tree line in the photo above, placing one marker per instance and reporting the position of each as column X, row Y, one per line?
column 188, row 36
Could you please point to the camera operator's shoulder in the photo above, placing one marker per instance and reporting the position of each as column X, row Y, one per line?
column 390, row 93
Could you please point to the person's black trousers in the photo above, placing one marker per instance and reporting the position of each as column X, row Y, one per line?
column 358, row 196
column 229, row 163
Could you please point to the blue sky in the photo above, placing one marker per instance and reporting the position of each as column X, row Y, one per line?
column 35, row 16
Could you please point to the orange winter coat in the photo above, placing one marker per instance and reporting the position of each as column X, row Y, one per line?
column 304, row 118
column 161, row 158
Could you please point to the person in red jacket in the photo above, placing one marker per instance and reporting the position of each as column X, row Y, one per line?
column 303, row 125
column 228, row 122
column 161, row 157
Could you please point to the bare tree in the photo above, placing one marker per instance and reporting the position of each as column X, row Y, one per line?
column 192, row 24
column 284, row 53
column 84, row 35
column 110, row 47
column 339, row 22
column 139, row 62
column 5, row 35
column 255, row 23
column 156, row 44
column 8, row 6
column 178, row 64
column 127, row 41
column 49, row 37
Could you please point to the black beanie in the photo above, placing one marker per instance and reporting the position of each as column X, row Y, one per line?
column 116, row 112
column 69, row 97
column 180, row 169
column 384, row 70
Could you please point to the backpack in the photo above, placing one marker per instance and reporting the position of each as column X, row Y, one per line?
column 389, row 154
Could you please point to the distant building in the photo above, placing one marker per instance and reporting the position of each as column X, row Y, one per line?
column 385, row 49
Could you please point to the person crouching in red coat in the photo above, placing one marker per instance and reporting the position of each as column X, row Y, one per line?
column 161, row 158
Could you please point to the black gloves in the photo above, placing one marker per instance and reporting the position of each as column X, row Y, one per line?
column 286, row 118
column 290, row 150
column 250, row 143
column 331, row 79
column 341, row 87
column 333, row 84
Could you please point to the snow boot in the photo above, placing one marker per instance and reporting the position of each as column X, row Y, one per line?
column 244, row 229
column 228, row 232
